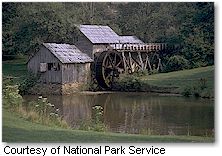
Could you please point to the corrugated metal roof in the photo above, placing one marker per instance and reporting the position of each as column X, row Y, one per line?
column 130, row 39
column 67, row 53
column 99, row 34
column 104, row 34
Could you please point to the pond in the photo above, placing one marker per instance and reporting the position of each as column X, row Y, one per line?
column 139, row 113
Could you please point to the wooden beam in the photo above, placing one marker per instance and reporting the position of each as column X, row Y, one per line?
column 146, row 61
column 141, row 60
column 149, row 63
column 134, row 60
column 159, row 65
column 124, row 61
column 130, row 61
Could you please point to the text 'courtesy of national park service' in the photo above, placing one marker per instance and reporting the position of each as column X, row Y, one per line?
column 79, row 150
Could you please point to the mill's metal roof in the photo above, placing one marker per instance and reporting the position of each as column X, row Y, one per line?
column 130, row 39
column 99, row 34
column 105, row 35
column 67, row 53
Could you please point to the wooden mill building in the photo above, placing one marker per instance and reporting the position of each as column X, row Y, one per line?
column 96, row 38
column 70, row 65
column 60, row 64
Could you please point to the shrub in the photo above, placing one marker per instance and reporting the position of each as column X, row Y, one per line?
column 92, row 86
column 176, row 62
column 187, row 91
column 29, row 82
column 11, row 98
column 202, row 83
column 127, row 83
column 41, row 111
column 96, row 123
column 198, row 89
column 154, row 71
column 141, row 73
column 44, row 112
column 206, row 93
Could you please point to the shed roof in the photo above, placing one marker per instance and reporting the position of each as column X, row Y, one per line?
column 99, row 34
column 67, row 53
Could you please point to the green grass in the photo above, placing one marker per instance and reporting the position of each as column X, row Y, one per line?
column 181, row 78
column 197, row 82
column 15, row 69
column 17, row 129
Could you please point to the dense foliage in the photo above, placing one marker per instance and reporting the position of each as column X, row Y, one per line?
column 26, row 25
column 28, row 83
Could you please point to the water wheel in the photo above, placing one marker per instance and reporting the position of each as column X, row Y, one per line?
column 109, row 65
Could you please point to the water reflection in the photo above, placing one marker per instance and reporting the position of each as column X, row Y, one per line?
column 140, row 113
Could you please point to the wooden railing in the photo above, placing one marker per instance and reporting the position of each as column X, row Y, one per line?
column 142, row 47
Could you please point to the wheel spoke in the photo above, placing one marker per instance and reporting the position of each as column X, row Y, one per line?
column 110, row 59
column 107, row 62
column 118, row 63
column 107, row 67
column 115, row 58
column 108, row 77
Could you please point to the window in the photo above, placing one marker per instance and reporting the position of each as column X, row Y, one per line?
column 50, row 66
column 43, row 67
column 54, row 66
column 57, row 67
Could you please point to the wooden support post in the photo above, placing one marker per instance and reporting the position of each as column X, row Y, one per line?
column 149, row 63
column 146, row 61
column 141, row 60
column 135, row 62
column 130, row 62
column 159, row 65
column 124, row 61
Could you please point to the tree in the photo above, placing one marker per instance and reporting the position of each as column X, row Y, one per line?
column 26, row 25
column 198, row 35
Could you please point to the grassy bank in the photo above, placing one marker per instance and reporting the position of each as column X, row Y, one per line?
column 199, row 81
column 181, row 78
column 15, row 69
column 17, row 129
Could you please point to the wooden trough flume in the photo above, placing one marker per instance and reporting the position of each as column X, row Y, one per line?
column 127, row 58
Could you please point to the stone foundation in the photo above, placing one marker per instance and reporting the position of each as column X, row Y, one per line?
column 56, row 89
column 70, row 88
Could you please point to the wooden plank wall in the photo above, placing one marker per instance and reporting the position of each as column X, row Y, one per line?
column 98, row 48
column 84, row 45
column 45, row 56
column 76, row 73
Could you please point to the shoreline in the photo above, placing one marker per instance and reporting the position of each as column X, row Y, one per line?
column 124, row 92
column 43, row 133
column 113, row 92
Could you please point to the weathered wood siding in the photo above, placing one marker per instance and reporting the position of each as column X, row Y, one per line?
column 85, row 45
column 45, row 56
column 98, row 48
column 76, row 73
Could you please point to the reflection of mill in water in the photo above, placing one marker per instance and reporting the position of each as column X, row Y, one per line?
column 137, row 113
column 120, row 115
column 132, row 116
